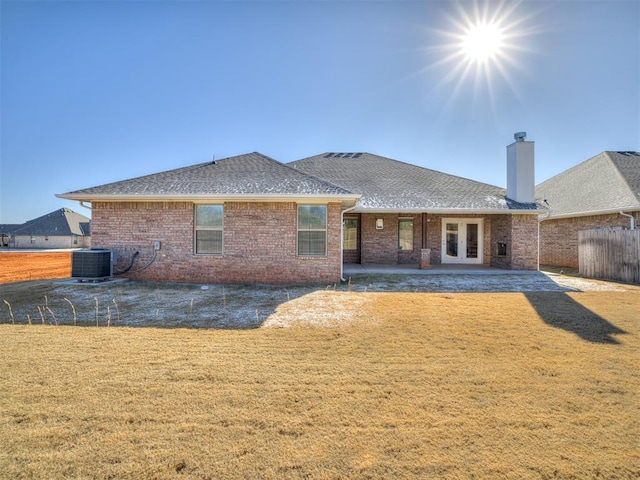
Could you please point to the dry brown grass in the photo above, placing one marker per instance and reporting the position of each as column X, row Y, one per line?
column 423, row 385
column 21, row 266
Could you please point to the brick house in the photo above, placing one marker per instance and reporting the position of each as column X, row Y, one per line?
column 62, row 228
column 601, row 192
column 253, row 219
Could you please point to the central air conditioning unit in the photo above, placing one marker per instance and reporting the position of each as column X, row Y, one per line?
column 94, row 264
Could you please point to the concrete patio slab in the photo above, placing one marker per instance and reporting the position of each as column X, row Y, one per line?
column 413, row 269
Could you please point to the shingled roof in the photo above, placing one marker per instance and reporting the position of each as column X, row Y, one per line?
column 390, row 185
column 608, row 182
column 249, row 175
column 62, row 222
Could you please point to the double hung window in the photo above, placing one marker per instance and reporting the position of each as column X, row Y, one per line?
column 312, row 230
column 208, row 229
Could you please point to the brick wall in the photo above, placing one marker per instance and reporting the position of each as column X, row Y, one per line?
column 500, row 233
column 559, row 238
column 381, row 246
column 259, row 243
column 519, row 233
column 524, row 242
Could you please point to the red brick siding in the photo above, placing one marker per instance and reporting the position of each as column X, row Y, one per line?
column 559, row 238
column 524, row 242
column 434, row 238
column 500, row 233
column 381, row 246
column 260, row 243
column 520, row 234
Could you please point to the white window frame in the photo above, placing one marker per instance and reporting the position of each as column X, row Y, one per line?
column 345, row 230
column 299, row 229
column 462, row 241
column 406, row 219
column 206, row 228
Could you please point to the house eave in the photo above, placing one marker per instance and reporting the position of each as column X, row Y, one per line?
column 449, row 211
column 298, row 198
column 589, row 213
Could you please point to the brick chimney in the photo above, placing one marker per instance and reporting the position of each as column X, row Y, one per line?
column 520, row 170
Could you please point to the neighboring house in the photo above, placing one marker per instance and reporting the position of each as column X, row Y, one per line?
column 5, row 233
column 598, row 193
column 250, row 218
column 62, row 228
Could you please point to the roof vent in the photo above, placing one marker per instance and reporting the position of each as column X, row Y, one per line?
column 343, row 155
column 520, row 136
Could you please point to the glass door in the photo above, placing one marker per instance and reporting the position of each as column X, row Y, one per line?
column 462, row 240
column 452, row 240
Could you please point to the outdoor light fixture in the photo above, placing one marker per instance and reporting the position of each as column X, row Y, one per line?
column 379, row 224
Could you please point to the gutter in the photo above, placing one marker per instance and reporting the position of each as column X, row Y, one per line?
column 632, row 220
column 451, row 211
column 633, row 208
column 299, row 198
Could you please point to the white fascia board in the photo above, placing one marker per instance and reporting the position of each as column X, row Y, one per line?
column 447, row 211
column 208, row 198
column 591, row 213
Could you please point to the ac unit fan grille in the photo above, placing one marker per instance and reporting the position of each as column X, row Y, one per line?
column 91, row 264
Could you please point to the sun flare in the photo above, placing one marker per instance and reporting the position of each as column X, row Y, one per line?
column 482, row 42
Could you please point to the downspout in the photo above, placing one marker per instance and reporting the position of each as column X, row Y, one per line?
column 81, row 202
column 632, row 220
column 342, row 241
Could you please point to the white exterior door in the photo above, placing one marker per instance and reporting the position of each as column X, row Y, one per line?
column 462, row 240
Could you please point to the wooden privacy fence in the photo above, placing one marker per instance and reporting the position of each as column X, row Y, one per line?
column 610, row 254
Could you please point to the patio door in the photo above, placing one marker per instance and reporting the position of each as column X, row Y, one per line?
column 462, row 240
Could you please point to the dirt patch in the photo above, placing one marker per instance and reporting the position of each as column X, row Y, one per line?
column 172, row 305
column 21, row 266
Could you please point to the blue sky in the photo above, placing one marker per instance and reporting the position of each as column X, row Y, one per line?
column 98, row 91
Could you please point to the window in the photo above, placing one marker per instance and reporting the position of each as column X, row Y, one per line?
column 208, row 235
column 350, row 234
column 405, row 234
column 312, row 230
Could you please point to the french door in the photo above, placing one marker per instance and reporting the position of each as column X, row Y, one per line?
column 462, row 240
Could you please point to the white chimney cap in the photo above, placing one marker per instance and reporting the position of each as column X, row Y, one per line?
column 520, row 136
